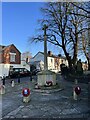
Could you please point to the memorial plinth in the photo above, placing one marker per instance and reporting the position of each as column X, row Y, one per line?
column 45, row 76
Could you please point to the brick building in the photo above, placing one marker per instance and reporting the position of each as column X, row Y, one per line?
column 10, row 57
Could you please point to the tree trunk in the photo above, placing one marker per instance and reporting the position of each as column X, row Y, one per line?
column 88, row 64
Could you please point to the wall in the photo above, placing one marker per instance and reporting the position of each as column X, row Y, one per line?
column 25, row 65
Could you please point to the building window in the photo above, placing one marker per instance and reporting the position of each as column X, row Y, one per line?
column 51, row 60
column 12, row 57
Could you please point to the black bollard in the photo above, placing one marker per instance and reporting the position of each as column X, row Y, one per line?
column 31, row 78
column 3, row 80
column 18, row 78
column 89, row 93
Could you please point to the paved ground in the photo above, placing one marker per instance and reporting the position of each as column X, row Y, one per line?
column 45, row 104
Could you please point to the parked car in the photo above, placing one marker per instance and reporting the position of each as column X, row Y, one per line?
column 35, row 71
column 22, row 72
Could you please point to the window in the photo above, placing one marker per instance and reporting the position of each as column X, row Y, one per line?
column 12, row 57
column 51, row 60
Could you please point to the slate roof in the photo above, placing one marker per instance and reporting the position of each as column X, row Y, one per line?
column 2, row 48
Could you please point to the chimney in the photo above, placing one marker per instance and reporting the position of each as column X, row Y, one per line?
column 59, row 55
column 49, row 53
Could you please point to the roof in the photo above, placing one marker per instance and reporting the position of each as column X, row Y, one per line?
column 54, row 56
column 37, row 54
column 34, row 62
column 2, row 47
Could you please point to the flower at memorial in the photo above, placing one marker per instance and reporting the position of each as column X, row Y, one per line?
column 37, row 87
column 49, row 83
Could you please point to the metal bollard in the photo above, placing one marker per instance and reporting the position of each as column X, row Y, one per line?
column 74, row 94
column 3, row 80
column 2, row 89
column 26, row 95
column 12, row 83
column 89, row 93
column 18, row 78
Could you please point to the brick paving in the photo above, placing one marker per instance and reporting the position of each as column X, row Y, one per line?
column 47, row 103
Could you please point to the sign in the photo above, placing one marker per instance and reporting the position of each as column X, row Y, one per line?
column 26, row 92
column 77, row 90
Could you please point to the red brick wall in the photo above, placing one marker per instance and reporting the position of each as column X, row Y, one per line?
column 1, row 58
column 6, row 55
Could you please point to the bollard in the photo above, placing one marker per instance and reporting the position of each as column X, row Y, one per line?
column 89, row 94
column 74, row 93
column 76, row 81
column 2, row 89
column 26, row 95
column 18, row 78
column 31, row 78
column 3, row 80
column 12, row 83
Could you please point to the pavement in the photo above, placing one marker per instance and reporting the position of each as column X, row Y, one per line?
column 55, row 103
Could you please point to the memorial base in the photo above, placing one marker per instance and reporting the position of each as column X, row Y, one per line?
column 45, row 76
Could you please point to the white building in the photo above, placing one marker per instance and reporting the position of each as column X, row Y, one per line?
column 25, row 58
column 53, row 61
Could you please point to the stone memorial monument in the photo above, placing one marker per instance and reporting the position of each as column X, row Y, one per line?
column 46, row 75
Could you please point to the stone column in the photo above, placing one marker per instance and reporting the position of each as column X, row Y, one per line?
column 45, row 48
column 45, row 75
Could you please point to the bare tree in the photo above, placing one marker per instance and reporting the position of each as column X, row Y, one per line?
column 63, row 20
column 56, row 17
column 84, row 36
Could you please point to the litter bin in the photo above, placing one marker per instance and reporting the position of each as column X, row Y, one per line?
column 26, row 95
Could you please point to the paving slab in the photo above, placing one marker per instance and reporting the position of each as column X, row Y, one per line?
column 56, row 104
